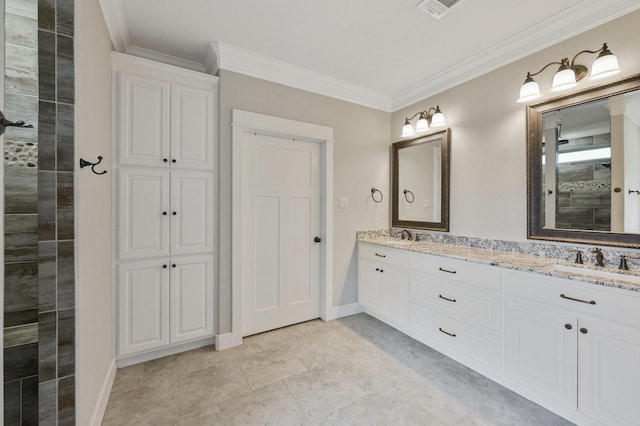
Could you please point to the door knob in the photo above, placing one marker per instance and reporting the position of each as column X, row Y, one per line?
column 317, row 239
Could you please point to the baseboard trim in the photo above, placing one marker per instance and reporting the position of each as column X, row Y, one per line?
column 227, row 340
column 103, row 395
column 171, row 350
column 344, row 311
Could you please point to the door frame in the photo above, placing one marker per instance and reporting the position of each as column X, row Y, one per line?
column 244, row 121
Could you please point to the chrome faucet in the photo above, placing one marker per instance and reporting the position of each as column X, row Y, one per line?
column 599, row 256
column 403, row 233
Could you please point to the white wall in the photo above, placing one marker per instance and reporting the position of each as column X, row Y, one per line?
column 361, row 161
column 488, row 138
column 94, row 347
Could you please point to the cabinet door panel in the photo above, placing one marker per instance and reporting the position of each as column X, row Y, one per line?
column 144, row 121
column 191, row 212
column 369, row 284
column 192, row 132
column 191, row 298
column 541, row 352
column 609, row 375
column 143, row 229
column 394, row 295
column 143, row 295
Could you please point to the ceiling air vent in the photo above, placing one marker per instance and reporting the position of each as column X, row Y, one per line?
column 436, row 8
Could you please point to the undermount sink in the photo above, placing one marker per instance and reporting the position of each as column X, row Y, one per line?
column 600, row 273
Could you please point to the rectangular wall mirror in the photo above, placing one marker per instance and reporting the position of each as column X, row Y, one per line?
column 420, row 182
column 584, row 166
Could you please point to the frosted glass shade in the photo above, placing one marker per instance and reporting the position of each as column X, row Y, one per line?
column 437, row 120
column 604, row 66
column 422, row 125
column 529, row 91
column 407, row 130
column 564, row 79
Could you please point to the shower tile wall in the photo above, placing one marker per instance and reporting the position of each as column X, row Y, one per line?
column 56, row 213
column 39, row 215
column 21, row 216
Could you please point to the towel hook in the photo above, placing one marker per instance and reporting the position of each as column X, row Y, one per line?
column 373, row 195
column 84, row 163
column 406, row 196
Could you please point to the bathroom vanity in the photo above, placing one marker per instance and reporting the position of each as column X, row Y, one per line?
column 560, row 336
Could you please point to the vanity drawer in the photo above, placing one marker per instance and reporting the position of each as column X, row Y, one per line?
column 383, row 254
column 478, row 307
column 610, row 304
column 454, row 337
column 486, row 277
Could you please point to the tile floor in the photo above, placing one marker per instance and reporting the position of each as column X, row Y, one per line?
column 352, row 371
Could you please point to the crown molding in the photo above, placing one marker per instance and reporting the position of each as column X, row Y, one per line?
column 116, row 21
column 167, row 59
column 572, row 21
column 253, row 64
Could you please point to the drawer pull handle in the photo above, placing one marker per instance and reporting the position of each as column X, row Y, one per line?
column 447, row 271
column 380, row 255
column 590, row 302
column 446, row 332
column 583, row 330
column 446, row 298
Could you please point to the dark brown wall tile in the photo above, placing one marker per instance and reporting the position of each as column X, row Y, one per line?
column 12, row 406
column 47, row 346
column 47, row 206
column 20, row 286
column 66, row 277
column 65, row 206
column 64, row 138
column 66, row 401
column 30, row 401
column 20, row 237
column 26, row 316
column 20, row 361
column 65, row 17
column 47, row 275
column 66, row 342
column 64, row 70
column 47, row 14
column 48, row 402
column 47, row 136
column 47, row 65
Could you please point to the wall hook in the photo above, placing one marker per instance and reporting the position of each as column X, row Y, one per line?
column 632, row 191
column 84, row 163
column 373, row 195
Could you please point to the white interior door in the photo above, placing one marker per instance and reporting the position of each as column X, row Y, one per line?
column 281, row 192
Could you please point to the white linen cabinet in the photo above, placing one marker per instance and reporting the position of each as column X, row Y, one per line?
column 165, row 124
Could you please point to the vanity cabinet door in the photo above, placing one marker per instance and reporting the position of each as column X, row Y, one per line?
column 608, row 373
column 369, row 284
column 394, row 295
column 541, row 350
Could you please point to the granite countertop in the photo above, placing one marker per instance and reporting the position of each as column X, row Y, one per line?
column 627, row 280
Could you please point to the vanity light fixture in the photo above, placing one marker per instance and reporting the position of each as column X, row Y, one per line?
column 569, row 73
column 427, row 119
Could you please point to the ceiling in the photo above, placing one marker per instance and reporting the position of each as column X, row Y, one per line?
column 382, row 53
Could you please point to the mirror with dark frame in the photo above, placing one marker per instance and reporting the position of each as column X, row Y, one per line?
column 420, row 182
column 583, row 166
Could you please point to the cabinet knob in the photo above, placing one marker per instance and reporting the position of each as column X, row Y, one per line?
column 568, row 326
column 173, row 161
column 175, row 213
column 583, row 330
column 377, row 269
column 164, row 160
column 381, row 270
column 164, row 266
column 173, row 265
column 164, row 213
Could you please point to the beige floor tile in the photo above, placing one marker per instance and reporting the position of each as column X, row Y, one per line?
column 127, row 378
column 323, row 390
column 270, row 366
column 270, row 405
column 281, row 336
column 320, row 347
column 199, row 390
column 209, row 416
